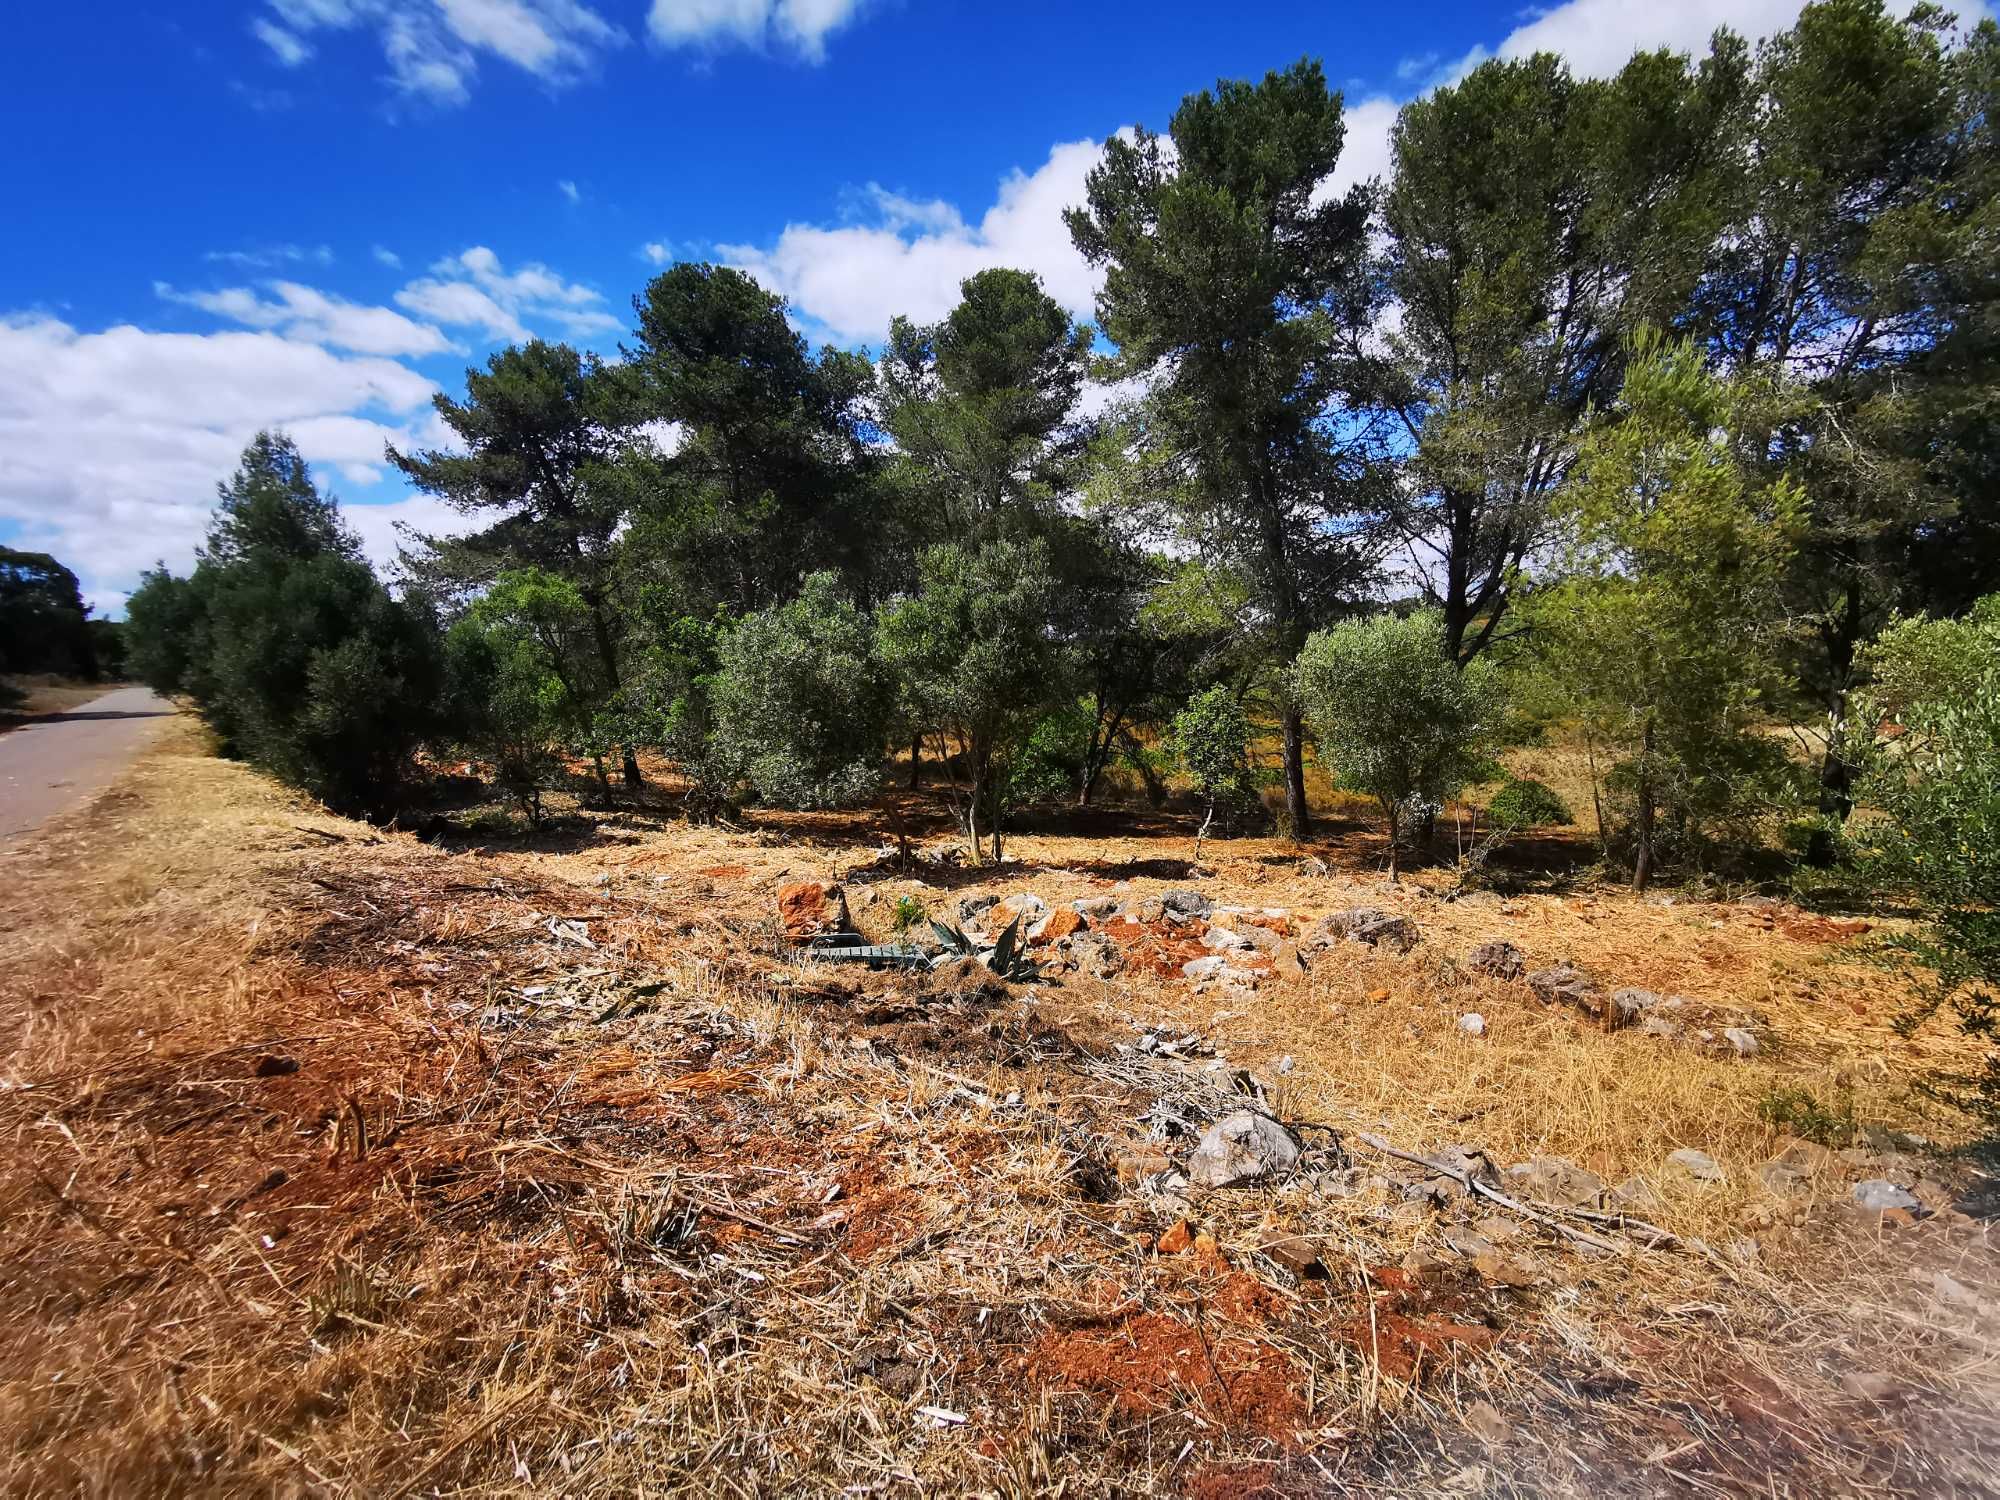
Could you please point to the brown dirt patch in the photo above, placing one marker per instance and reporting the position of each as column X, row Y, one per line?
column 1149, row 1364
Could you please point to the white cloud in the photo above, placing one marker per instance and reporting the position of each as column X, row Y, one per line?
column 569, row 190
column 800, row 25
column 433, row 47
column 1365, row 151
column 111, row 443
column 266, row 256
column 300, row 312
column 474, row 290
column 851, row 279
column 656, row 252
column 286, row 46
column 388, row 258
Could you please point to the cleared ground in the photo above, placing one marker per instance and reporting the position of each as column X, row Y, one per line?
column 343, row 1162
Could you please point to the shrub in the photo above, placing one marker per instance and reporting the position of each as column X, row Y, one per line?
column 980, row 667
column 802, row 702
column 1937, row 783
column 1799, row 1112
column 1523, row 802
column 287, row 644
column 1211, row 740
column 1393, row 716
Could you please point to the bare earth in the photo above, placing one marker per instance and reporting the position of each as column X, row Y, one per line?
column 51, row 762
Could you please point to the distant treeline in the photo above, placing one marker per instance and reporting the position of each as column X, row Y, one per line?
column 46, row 628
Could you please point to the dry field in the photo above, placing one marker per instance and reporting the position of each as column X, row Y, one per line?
column 39, row 693
column 343, row 1162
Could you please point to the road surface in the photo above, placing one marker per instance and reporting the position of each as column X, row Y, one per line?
column 56, row 761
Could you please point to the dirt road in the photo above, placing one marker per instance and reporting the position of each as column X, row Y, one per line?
column 54, row 761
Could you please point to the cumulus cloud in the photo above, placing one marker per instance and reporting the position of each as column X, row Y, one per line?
column 910, row 255
column 656, row 252
column 111, row 443
column 387, row 257
column 569, row 190
column 802, row 26
column 473, row 289
column 433, row 47
column 300, row 312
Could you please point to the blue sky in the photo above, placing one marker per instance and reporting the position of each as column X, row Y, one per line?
column 315, row 213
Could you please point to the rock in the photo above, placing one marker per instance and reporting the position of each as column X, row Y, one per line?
column 1025, row 906
column 1497, row 960
column 1136, row 1163
column 1187, row 903
column 1550, row 1179
column 1740, row 1041
column 973, row 907
column 1473, row 1024
column 1057, row 925
column 1224, row 940
column 1204, row 968
column 812, row 908
column 1808, row 1156
column 1502, row 1269
column 1146, row 911
column 1240, row 1149
column 1178, row 1238
column 1629, row 1005
column 275, row 1065
column 1295, row 1253
column 1290, row 963
column 1783, row 1178
column 1878, row 1195
column 1095, row 906
column 1566, row 984
column 1697, row 1164
column 1636, row 1194
column 1484, row 1421
column 1096, row 956
column 1422, row 1263
column 1660, row 1026
column 1364, row 924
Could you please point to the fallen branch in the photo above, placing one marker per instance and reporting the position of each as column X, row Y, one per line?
column 1547, row 1218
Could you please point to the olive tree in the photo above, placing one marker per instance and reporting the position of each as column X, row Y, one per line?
column 1392, row 715
column 802, row 702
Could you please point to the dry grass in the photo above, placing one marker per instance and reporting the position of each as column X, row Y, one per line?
column 345, row 1163
column 40, row 693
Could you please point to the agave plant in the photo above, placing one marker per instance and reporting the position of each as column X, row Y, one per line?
column 1007, row 958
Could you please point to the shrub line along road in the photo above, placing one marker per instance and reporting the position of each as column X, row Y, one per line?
column 55, row 761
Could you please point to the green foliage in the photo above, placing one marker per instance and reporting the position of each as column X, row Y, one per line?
column 44, row 623
column 295, row 655
column 1937, row 785
column 907, row 912
column 1392, row 715
column 802, row 702
column 979, row 667
column 1241, row 293
column 1211, row 740
column 978, row 405
column 1665, row 633
column 1532, row 218
column 515, row 692
column 1799, row 1112
column 1523, row 802
column 1008, row 957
